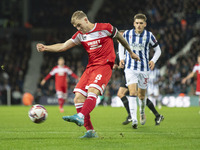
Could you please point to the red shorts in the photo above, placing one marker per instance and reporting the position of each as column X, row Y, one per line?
column 96, row 77
column 61, row 88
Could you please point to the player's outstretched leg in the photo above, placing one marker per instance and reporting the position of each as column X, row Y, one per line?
column 159, row 119
column 90, row 134
column 75, row 118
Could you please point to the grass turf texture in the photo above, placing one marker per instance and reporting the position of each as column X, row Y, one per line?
column 179, row 130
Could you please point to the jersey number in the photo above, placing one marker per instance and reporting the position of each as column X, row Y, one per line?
column 98, row 77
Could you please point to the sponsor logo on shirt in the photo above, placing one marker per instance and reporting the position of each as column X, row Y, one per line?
column 137, row 46
column 94, row 44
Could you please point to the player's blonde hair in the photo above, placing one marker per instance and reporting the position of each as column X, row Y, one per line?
column 140, row 16
column 77, row 15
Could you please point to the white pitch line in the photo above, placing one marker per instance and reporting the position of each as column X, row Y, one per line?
column 126, row 132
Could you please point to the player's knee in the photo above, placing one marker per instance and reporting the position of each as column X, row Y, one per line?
column 79, row 99
column 133, row 93
column 120, row 95
column 141, row 97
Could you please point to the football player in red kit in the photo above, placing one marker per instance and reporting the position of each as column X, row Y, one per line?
column 97, row 39
column 196, row 70
column 60, row 72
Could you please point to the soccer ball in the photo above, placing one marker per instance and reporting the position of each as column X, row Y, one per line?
column 38, row 113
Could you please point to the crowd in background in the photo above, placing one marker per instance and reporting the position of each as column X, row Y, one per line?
column 14, row 56
column 173, row 24
column 171, row 81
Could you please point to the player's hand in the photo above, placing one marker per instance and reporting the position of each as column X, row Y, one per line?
column 151, row 65
column 183, row 81
column 115, row 66
column 42, row 82
column 134, row 56
column 121, row 64
column 40, row 47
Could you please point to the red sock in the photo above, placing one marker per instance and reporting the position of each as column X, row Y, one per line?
column 79, row 107
column 61, row 102
column 89, row 104
column 88, row 123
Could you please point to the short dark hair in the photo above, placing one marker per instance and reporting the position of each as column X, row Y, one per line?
column 61, row 58
column 140, row 16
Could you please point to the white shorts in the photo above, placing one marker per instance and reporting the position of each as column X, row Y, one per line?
column 197, row 93
column 60, row 94
column 139, row 77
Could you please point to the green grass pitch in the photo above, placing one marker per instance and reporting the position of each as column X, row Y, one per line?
column 180, row 130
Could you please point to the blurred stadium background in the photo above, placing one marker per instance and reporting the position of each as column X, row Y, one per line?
column 25, row 22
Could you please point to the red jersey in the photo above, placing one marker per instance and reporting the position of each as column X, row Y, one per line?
column 196, row 69
column 98, row 43
column 61, row 75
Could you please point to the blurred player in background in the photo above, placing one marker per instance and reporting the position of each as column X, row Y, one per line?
column 196, row 70
column 123, row 91
column 60, row 72
column 97, row 39
column 153, row 87
column 123, row 88
column 137, row 73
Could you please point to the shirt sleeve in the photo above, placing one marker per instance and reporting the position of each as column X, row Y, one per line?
column 156, row 54
column 70, row 72
column 194, row 69
column 76, row 38
column 51, row 73
column 121, row 50
column 112, row 31
column 153, row 40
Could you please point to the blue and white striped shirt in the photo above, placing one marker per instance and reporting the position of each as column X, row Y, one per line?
column 140, row 45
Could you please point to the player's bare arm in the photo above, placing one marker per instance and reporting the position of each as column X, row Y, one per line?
column 42, row 82
column 188, row 77
column 115, row 66
column 121, row 39
column 59, row 47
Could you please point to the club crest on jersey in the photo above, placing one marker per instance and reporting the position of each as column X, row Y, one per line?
column 100, row 34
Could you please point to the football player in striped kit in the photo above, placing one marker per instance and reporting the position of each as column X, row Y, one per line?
column 137, row 72
column 97, row 39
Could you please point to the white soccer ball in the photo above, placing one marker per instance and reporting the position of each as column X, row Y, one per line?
column 38, row 113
